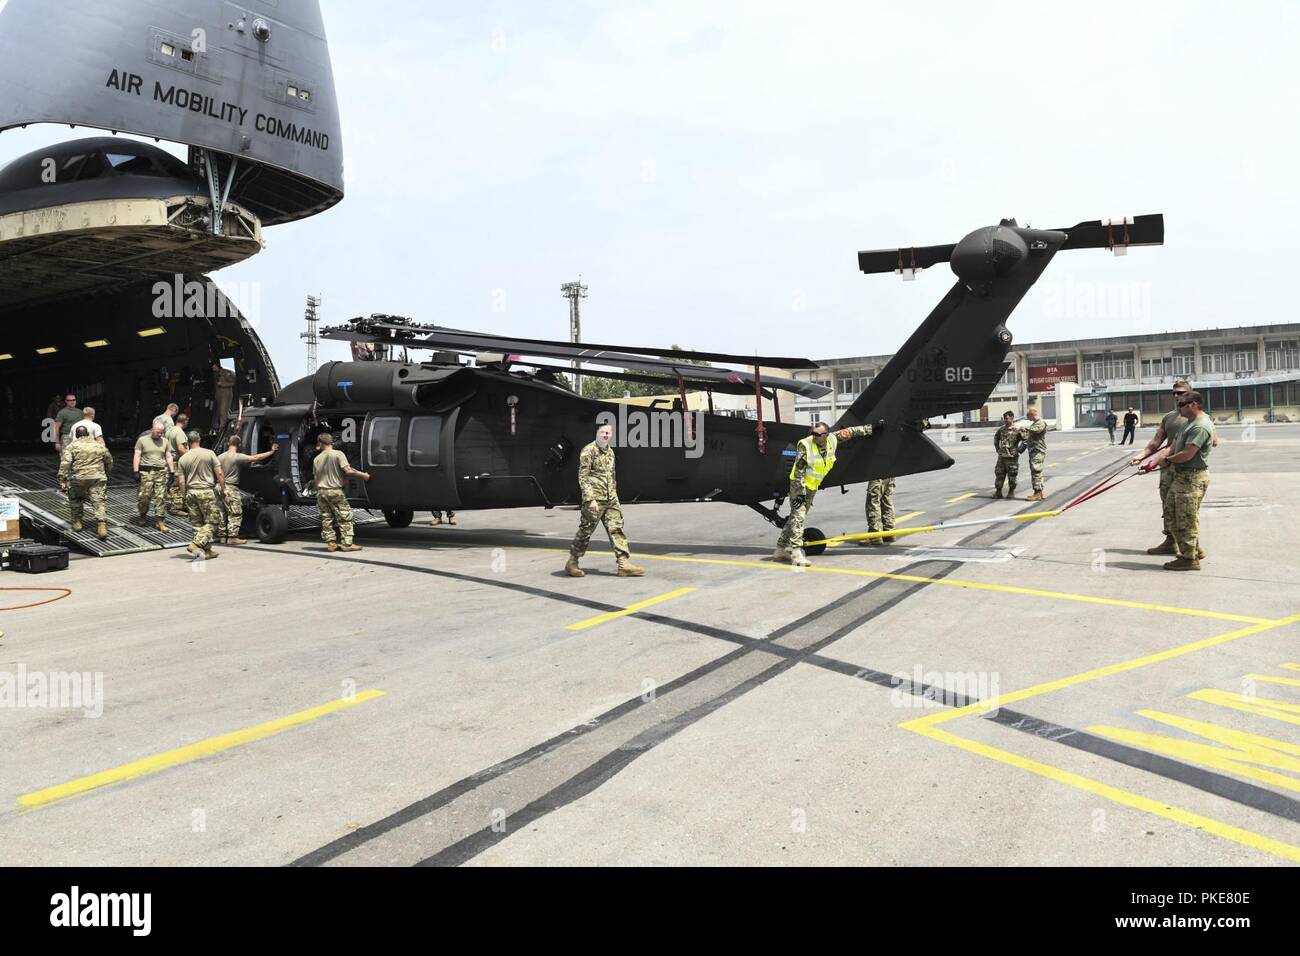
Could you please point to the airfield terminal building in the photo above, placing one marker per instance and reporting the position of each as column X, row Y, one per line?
column 1250, row 373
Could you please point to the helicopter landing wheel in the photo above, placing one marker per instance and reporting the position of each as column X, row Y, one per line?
column 399, row 519
column 272, row 524
column 813, row 534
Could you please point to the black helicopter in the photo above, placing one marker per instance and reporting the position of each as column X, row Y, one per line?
column 506, row 433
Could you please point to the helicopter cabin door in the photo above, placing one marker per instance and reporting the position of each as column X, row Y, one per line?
column 410, row 458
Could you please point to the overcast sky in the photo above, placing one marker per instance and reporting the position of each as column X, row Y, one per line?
column 711, row 168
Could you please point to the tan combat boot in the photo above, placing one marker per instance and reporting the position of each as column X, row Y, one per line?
column 142, row 521
column 451, row 519
column 781, row 555
column 799, row 559
column 332, row 546
column 76, row 524
column 349, row 547
column 161, row 526
column 1183, row 564
column 1036, row 496
column 101, row 531
column 194, row 549
column 1200, row 554
column 236, row 541
column 435, row 520
column 1165, row 547
column 997, row 492
column 626, row 569
column 209, row 554
column 572, row 570
column 870, row 542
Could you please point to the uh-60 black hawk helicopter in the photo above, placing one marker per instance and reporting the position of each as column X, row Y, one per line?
column 506, row 432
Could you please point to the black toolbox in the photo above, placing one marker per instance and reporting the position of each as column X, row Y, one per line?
column 5, row 547
column 34, row 558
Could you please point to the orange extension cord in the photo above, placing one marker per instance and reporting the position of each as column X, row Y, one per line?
column 19, row 607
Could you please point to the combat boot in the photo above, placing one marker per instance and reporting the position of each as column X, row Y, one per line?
column 451, row 519
column 626, row 569
column 1036, row 496
column 1011, row 490
column 572, row 570
column 1165, row 547
column 101, row 531
column 161, row 526
column 1200, row 554
column 435, row 520
column 236, row 541
column 997, row 492
column 194, row 549
column 142, row 521
column 799, row 559
column 209, row 554
column 332, row 546
column 349, row 547
column 870, row 542
column 1183, row 564
column 782, row 555
column 76, row 524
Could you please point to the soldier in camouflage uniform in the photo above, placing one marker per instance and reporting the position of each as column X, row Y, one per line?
column 328, row 468
column 199, row 475
column 880, row 509
column 152, row 461
column 598, row 485
column 813, row 461
column 1009, row 443
column 1189, row 461
column 1035, row 432
column 1166, row 437
column 178, row 446
column 84, row 468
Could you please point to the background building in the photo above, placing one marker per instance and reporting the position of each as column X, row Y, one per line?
column 1251, row 373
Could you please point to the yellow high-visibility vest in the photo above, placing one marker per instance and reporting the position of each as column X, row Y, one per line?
column 819, row 462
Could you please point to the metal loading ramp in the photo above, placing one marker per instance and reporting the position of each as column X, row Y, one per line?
column 33, row 480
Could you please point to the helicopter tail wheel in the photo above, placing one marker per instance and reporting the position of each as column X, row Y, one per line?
column 272, row 525
column 399, row 519
column 813, row 534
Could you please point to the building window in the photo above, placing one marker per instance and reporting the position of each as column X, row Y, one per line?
column 1161, row 367
column 1009, row 376
column 1107, row 367
column 1243, row 360
column 1279, row 356
column 1214, row 361
column 1185, row 362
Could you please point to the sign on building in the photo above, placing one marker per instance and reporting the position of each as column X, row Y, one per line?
column 1043, row 378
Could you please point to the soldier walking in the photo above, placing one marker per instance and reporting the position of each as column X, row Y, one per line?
column 84, row 467
column 598, row 485
column 1189, row 462
column 1035, row 432
column 329, row 467
column 200, row 476
column 68, row 417
column 814, row 459
column 1009, row 443
column 151, row 463
column 231, row 460
column 880, row 509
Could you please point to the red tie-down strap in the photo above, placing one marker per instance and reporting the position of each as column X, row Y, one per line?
column 758, row 399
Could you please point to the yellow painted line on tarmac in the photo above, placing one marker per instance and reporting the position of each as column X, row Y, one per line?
column 189, row 753
column 1226, row 831
column 630, row 609
column 1270, row 679
column 953, row 501
column 954, row 583
column 927, row 727
column 1292, row 667
column 907, row 517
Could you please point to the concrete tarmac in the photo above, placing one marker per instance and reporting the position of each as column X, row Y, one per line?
column 1016, row 693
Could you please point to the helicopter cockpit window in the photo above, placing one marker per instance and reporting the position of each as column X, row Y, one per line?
column 381, row 449
column 423, row 440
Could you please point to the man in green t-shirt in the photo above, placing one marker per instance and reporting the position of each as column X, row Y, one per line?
column 68, row 417
column 151, row 462
column 1158, row 448
column 1189, row 461
column 178, row 444
column 329, row 468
